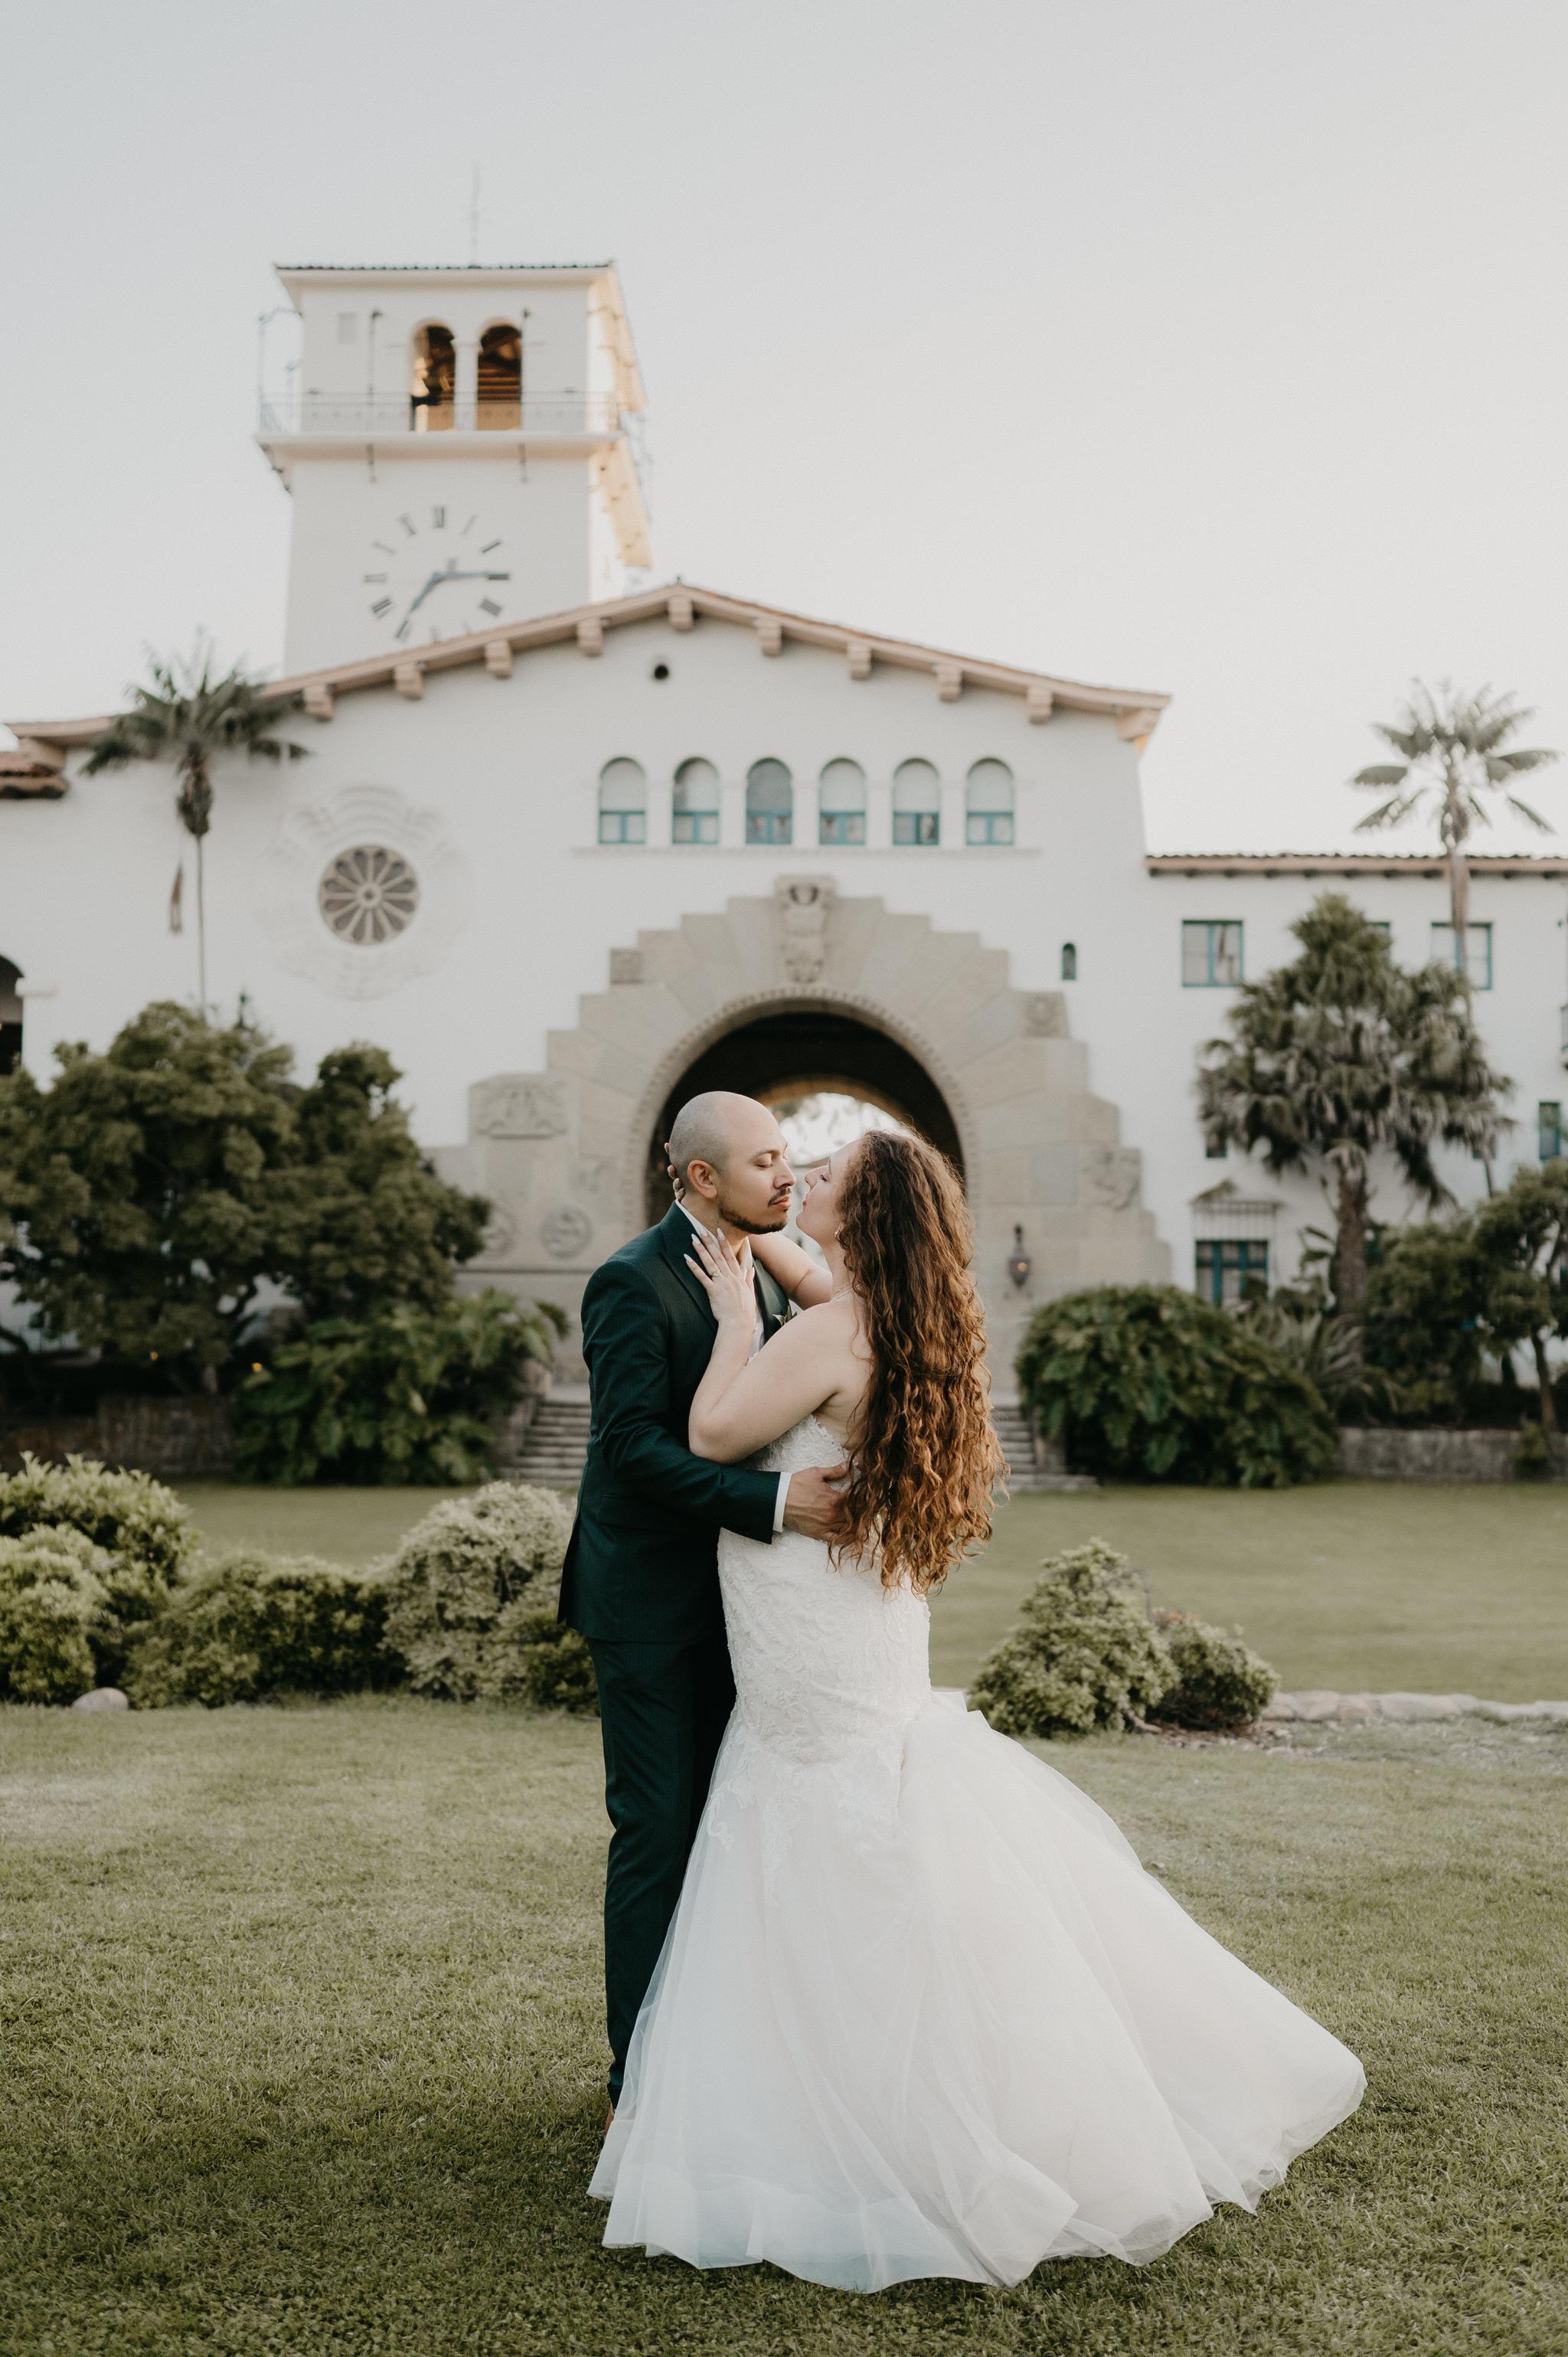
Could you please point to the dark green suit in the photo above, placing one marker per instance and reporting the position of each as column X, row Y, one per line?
column 641, row 1584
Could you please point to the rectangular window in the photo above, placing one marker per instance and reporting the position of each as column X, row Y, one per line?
column 841, row 826
column 1210, row 954
column 694, row 826
column 1548, row 1129
column 988, row 826
column 916, row 826
column 768, row 826
column 1479, row 953
column 623, row 826
column 1229, row 1271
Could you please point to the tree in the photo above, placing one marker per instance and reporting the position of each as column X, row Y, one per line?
column 147, row 1198
column 185, row 716
column 1522, row 1243
column 1454, row 751
column 1342, row 1056
column 361, row 1219
column 135, row 1211
column 1448, row 1295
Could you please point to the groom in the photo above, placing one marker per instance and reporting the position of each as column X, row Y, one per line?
column 640, row 1580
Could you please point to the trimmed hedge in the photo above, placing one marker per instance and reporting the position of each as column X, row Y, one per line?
column 54, row 1610
column 472, row 1593
column 248, row 1624
column 1084, row 1654
column 1088, row 1653
column 141, row 1533
column 1220, row 1682
column 1144, row 1382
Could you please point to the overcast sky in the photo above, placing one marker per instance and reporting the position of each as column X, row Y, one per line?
column 1215, row 346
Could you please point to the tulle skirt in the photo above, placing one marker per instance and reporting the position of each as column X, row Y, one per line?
column 953, row 2033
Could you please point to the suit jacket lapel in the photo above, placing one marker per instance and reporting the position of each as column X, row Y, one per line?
column 772, row 1300
column 675, row 1243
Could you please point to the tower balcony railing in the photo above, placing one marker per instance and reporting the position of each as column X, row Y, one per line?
column 350, row 413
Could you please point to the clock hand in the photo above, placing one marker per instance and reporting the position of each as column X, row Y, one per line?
column 424, row 593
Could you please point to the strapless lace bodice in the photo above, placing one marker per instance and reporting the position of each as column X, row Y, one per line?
column 827, row 1661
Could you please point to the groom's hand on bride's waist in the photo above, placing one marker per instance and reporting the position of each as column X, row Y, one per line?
column 814, row 1506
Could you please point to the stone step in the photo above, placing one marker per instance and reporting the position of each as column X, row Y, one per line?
column 556, row 1445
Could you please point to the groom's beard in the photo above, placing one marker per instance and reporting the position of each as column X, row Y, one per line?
column 744, row 1227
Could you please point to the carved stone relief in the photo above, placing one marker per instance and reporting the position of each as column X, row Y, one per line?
column 1045, row 1014
column 802, row 903
column 565, row 1232
column 515, row 1105
column 500, row 1232
column 1112, row 1175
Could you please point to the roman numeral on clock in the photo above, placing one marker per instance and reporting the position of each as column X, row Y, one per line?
column 438, row 519
column 488, row 606
column 383, row 606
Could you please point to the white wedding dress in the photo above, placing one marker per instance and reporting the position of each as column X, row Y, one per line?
column 921, row 2012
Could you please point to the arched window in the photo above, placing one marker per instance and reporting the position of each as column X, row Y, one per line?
column 501, row 380
column 988, row 803
column 10, row 1017
column 1070, row 961
column 841, row 803
column 433, row 389
column 769, row 803
column 917, row 803
column 694, row 809
column 623, row 803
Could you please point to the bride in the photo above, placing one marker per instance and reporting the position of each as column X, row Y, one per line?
column 920, row 2011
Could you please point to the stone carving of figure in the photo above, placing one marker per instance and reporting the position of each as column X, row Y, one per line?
column 802, row 903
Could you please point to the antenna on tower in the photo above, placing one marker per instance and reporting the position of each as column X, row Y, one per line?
column 475, row 215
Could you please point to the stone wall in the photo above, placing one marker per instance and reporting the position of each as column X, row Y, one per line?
column 1435, row 1454
column 177, row 1439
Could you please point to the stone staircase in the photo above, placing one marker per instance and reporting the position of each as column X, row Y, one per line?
column 556, row 1442
column 1032, row 1463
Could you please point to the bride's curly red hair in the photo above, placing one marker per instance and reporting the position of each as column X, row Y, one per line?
column 924, row 1458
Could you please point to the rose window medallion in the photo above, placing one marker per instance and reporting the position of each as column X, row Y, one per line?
column 368, row 895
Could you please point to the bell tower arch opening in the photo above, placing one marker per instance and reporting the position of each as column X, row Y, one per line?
column 799, row 1053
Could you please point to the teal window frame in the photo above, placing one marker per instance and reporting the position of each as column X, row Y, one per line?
column 1213, row 953
column 1226, row 1268
column 1548, row 1129
column 1477, row 952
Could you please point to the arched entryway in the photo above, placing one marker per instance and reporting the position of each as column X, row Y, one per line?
column 804, row 1049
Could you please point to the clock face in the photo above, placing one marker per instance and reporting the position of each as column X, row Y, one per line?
column 436, row 573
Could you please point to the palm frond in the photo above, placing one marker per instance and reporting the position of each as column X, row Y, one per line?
column 1389, row 813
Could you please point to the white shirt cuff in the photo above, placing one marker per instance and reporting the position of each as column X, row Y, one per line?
column 783, row 1501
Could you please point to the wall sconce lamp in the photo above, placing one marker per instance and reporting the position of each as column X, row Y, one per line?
column 1019, row 1264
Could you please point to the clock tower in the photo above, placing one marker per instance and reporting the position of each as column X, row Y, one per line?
column 462, row 446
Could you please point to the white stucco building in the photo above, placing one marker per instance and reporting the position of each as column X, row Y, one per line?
column 569, row 845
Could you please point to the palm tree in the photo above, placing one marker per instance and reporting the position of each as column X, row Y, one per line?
column 1342, row 1058
column 185, row 716
column 1455, row 750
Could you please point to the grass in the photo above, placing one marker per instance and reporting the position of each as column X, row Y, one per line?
column 1358, row 1585
column 302, row 2016
column 1368, row 1585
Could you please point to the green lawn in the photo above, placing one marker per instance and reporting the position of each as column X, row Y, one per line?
column 303, row 2051
column 1364, row 1585
column 1360, row 1585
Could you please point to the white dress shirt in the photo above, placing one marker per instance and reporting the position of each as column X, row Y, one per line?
column 743, row 1253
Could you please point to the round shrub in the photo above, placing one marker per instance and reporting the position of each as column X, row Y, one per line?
column 1144, row 1382
column 249, row 1624
column 1085, row 1652
column 53, row 1602
column 469, row 1587
column 1220, row 1682
column 144, row 1533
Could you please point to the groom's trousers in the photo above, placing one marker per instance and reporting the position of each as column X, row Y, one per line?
column 662, row 1711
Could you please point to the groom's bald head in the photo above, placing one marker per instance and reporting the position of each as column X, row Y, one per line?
column 729, row 1150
